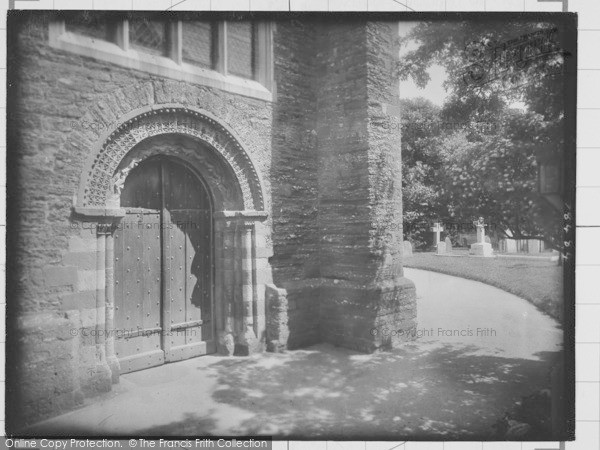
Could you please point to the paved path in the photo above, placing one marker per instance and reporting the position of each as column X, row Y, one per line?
column 489, row 319
column 443, row 384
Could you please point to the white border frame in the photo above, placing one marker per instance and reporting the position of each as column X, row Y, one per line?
column 588, row 157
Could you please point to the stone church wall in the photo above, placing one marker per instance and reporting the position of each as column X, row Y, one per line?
column 59, row 107
column 328, row 257
column 294, row 180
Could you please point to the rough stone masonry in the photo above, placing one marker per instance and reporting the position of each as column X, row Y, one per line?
column 306, row 188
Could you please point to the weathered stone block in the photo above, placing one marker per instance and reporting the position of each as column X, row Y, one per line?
column 352, row 315
column 91, row 317
column 47, row 352
column 78, row 300
column 277, row 318
column 89, row 280
column 87, row 243
column 60, row 276
column 83, row 260
column 225, row 344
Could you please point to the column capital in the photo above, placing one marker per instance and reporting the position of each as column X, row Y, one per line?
column 105, row 228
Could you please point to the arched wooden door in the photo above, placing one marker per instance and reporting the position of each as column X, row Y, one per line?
column 163, row 267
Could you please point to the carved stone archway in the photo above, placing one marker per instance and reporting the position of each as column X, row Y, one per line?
column 101, row 171
column 202, row 141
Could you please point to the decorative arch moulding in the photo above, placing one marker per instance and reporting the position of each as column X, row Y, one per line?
column 101, row 178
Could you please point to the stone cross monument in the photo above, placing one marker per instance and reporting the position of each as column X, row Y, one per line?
column 437, row 228
column 481, row 248
column 439, row 245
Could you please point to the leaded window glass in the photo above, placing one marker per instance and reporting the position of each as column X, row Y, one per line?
column 240, row 49
column 148, row 35
column 192, row 44
column 95, row 25
column 198, row 43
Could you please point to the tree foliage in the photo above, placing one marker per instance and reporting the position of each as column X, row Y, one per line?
column 495, row 176
column 461, row 173
column 456, row 45
column 421, row 139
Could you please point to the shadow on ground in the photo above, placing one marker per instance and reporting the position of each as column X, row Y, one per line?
column 437, row 387
column 420, row 391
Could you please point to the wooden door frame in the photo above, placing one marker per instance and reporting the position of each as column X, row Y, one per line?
column 233, row 283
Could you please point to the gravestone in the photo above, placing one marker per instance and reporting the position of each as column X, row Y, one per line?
column 481, row 247
column 448, row 243
column 407, row 249
column 440, row 248
column 488, row 240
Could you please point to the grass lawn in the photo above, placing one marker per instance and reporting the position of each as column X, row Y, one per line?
column 540, row 282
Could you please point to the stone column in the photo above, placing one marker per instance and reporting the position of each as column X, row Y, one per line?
column 247, row 269
column 109, row 305
column 107, row 365
column 219, row 307
column 480, row 234
column 101, row 273
column 225, row 323
column 99, row 377
column 238, row 332
column 363, row 293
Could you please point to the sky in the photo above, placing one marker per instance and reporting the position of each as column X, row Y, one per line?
column 434, row 91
